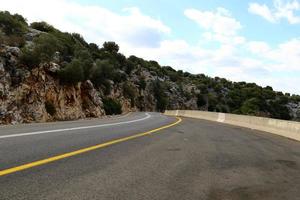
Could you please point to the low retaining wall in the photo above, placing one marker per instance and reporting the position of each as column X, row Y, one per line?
column 284, row 128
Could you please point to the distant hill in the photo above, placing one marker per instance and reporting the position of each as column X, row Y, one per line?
column 47, row 75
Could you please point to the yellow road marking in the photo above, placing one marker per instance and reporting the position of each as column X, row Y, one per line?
column 80, row 151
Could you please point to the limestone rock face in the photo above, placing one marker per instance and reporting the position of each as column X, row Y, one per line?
column 38, row 96
column 91, row 101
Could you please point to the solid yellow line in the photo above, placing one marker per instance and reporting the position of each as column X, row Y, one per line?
column 80, row 151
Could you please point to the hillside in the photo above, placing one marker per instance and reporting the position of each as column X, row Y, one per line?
column 48, row 75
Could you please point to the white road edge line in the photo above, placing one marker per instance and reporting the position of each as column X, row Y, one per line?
column 74, row 128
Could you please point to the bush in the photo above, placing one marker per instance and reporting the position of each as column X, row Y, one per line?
column 142, row 83
column 12, row 24
column 129, row 66
column 67, row 45
column 119, row 77
column 50, row 108
column 212, row 102
column 30, row 58
column 250, row 107
column 201, row 101
column 79, row 39
column 160, row 96
column 72, row 73
column 111, row 47
column 46, row 45
column 112, row 106
column 129, row 92
column 86, row 60
column 102, row 71
column 42, row 26
column 42, row 51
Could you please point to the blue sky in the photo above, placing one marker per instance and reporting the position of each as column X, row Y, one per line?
column 171, row 13
column 255, row 41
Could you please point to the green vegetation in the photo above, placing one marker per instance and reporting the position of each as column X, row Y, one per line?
column 12, row 24
column 42, row 26
column 12, row 28
column 111, row 106
column 129, row 92
column 159, row 93
column 111, row 47
column 72, row 73
column 42, row 51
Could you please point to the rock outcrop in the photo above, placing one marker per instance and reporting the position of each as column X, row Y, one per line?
column 37, row 95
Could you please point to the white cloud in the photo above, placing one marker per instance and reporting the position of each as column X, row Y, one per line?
column 283, row 58
column 262, row 10
column 220, row 21
column 95, row 23
column 281, row 10
column 258, row 47
column 287, row 55
column 219, row 25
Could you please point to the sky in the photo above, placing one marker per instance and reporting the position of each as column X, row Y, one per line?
column 254, row 41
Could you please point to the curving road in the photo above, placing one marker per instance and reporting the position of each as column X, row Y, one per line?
column 194, row 159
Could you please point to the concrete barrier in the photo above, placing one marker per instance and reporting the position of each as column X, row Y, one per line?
column 289, row 129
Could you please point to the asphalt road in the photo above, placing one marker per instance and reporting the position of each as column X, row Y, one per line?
column 194, row 159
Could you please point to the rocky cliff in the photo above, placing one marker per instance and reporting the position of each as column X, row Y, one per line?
column 37, row 95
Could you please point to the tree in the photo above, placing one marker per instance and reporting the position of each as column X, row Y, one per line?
column 201, row 100
column 102, row 71
column 111, row 47
column 160, row 96
column 12, row 24
column 142, row 83
column 129, row 92
column 250, row 107
column 42, row 51
column 72, row 73
column 42, row 26
column 112, row 106
column 46, row 45
column 129, row 66
column 86, row 60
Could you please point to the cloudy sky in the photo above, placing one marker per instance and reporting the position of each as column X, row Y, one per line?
column 255, row 41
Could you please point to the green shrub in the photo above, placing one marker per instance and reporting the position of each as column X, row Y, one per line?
column 201, row 101
column 72, row 73
column 86, row 60
column 212, row 102
column 112, row 106
column 29, row 57
column 67, row 44
column 42, row 26
column 80, row 40
column 50, row 108
column 160, row 95
column 46, row 45
column 42, row 51
column 129, row 66
column 250, row 107
column 102, row 71
column 142, row 83
column 111, row 47
column 129, row 92
column 12, row 24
